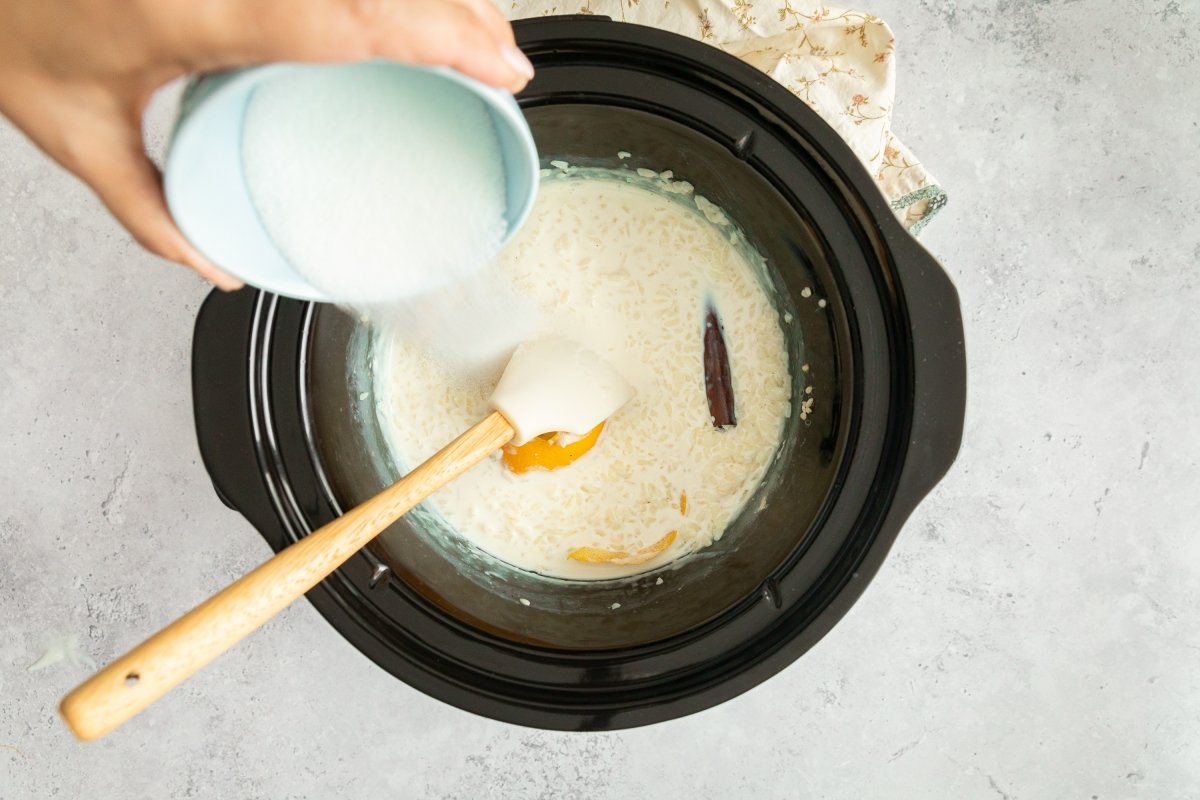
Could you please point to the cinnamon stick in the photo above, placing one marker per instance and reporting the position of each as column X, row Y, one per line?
column 718, row 381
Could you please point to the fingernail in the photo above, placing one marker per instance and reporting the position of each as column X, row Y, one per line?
column 227, row 283
column 224, row 281
column 211, row 272
column 518, row 61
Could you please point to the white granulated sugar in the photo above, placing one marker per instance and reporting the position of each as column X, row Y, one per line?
column 471, row 326
column 375, row 188
column 627, row 272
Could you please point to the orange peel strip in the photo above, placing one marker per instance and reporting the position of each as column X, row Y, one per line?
column 598, row 555
column 544, row 452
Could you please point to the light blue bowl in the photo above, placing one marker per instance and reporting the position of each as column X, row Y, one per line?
column 206, row 190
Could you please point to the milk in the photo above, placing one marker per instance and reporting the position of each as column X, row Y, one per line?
column 627, row 267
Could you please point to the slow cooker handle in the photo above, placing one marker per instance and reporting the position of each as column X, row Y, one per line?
column 221, row 374
column 939, row 365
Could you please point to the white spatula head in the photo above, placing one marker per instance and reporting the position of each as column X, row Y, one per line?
column 554, row 384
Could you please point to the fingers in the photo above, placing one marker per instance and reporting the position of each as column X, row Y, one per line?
column 96, row 135
column 130, row 186
column 491, row 16
column 464, row 35
column 469, row 35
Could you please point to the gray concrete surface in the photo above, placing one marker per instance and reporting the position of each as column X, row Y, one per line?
column 1033, row 635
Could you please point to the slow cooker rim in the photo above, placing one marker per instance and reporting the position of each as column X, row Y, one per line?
column 723, row 687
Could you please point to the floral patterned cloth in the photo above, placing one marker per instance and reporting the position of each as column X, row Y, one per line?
column 839, row 62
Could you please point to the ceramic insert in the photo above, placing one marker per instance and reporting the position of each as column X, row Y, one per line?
column 631, row 265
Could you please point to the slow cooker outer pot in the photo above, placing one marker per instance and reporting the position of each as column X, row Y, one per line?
column 256, row 441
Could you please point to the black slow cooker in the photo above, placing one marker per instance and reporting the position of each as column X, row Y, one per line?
column 287, row 431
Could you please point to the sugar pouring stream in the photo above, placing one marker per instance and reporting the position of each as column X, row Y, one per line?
column 550, row 384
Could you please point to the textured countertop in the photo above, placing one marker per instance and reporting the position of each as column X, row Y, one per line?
column 1035, row 632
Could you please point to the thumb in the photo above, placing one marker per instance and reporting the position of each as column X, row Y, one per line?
column 118, row 170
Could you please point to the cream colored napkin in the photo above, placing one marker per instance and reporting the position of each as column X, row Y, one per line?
column 839, row 62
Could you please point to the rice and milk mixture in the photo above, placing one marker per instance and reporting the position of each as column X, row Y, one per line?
column 626, row 264
column 631, row 264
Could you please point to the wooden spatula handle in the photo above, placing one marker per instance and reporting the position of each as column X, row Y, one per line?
column 150, row 670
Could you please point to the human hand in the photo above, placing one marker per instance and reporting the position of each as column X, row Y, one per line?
column 76, row 75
